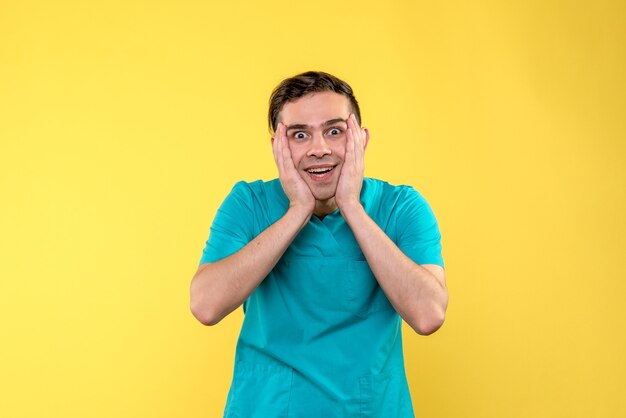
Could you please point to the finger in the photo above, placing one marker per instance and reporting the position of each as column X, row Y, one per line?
column 275, row 142
column 359, row 133
column 351, row 141
column 287, row 161
column 286, row 152
column 278, row 140
column 283, row 144
column 359, row 138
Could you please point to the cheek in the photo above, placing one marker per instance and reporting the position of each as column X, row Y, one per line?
column 297, row 153
column 339, row 149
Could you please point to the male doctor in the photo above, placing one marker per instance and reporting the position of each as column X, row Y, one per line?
column 326, row 263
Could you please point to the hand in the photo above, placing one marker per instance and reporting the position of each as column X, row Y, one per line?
column 351, row 176
column 295, row 188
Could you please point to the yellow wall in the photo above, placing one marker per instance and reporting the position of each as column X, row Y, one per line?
column 123, row 124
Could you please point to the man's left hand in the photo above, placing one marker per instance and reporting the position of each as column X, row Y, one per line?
column 351, row 177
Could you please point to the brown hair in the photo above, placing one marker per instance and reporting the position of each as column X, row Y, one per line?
column 300, row 85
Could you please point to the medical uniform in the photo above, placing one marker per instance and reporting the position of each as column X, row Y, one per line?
column 319, row 336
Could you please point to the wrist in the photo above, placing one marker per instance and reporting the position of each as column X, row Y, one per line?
column 350, row 208
column 299, row 213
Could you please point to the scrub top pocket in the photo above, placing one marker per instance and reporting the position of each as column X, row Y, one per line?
column 365, row 294
column 385, row 395
column 259, row 391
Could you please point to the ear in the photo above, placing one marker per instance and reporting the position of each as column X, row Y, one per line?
column 367, row 137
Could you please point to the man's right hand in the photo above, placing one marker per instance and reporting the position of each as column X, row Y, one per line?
column 297, row 191
column 220, row 287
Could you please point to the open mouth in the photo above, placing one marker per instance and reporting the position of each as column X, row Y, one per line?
column 320, row 173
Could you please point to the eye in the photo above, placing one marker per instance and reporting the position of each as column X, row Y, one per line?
column 299, row 135
column 334, row 131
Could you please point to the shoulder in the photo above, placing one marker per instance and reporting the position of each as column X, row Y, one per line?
column 257, row 189
column 395, row 207
column 381, row 193
column 265, row 199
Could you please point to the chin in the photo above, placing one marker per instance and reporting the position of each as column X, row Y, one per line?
column 322, row 191
column 323, row 195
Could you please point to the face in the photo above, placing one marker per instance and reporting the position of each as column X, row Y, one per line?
column 316, row 132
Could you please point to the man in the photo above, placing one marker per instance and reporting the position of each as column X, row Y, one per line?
column 325, row 263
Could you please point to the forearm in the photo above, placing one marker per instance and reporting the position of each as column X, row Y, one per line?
column 417, row 294
column 219, row 288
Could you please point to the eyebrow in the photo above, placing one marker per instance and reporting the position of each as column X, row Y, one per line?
column 327, row 123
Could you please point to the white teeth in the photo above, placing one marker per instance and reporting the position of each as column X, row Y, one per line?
column 319, row 170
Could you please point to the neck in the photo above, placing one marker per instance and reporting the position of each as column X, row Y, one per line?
column 324, row 207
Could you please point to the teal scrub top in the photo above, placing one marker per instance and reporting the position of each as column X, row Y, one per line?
column 319, row 336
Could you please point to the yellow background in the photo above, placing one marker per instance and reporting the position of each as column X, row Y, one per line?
column 123, row 125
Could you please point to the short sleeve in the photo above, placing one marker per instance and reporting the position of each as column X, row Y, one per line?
column 417, row 229
column 232, row 226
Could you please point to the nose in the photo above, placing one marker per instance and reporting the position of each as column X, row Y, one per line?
column 319, row 147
